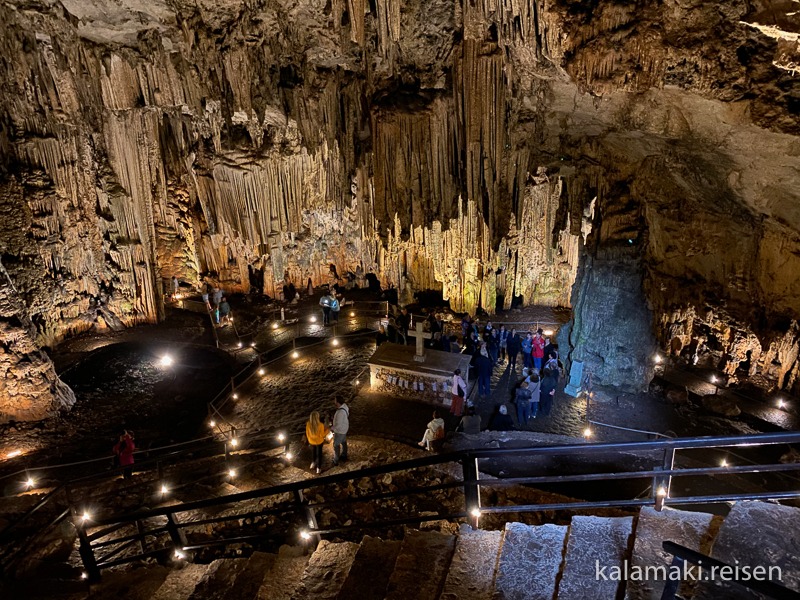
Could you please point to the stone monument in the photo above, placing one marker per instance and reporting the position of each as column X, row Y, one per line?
column 573, row 388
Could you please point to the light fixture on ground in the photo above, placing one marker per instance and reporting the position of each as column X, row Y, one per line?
column 475, row 512
column 781, row 403
column 335, row 342
column 305, row 535
column 723, row 463
column 713, row 379
column 587, row 432
column 165, row 361
column 661, row 492
column 261, row 371
column 313, row 319
column 234, row 442
column 274, row 325
column 352, row 313
column 289, row 456
column 84, row 575
column 657, row 359
column 281, row 437
column 212, row 423
column 86, row 516
column 239, row 344
column 179, row 555
column 164, row 489
column 30, row 482
column 13, row 453
column 235, row 396
column 231, row 472
column 295, row 354
column 252, row 344
column 357, row 382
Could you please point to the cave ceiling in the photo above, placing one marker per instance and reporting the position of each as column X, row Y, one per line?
column 428, row 141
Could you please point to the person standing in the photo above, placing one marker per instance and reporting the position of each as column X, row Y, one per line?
column 315, row 434
column 340, row 426
column 459, row 392
column 217, row 297
column 493, row 345
column 434, row 431
column 124, row 450
column 503, row 342
column 538, row 350
column 381, row 336
column 526, row 346
column 484, row 366
column 513, row 350
column 224, row 311
column 325, row 303
column 403, row 323
column 336, row 306
column 535, row 388
column 548, row 387
column 523, row 400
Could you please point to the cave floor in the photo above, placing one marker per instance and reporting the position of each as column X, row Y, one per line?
column 118, row 385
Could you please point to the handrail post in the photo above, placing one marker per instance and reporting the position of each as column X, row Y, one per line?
column 309, row 514
column 662, row 484
column 472, row 493
column 85, row 548
column 176, row 534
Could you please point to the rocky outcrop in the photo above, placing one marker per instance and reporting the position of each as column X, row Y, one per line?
column 440, row 145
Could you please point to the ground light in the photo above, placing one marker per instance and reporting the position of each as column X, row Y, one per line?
column 587, row 432
column 164, row 489
column 305, row 535
column 289, row 456
column 274, row 325
column 212, row 423
column 86, row 516
column 166, row 361
column 179, row 555
column 281, row 437
column 352, row 314
column 781, row 403
column 252, row 344
column 723, row 463
column 30, row 482
column 475, row 512
column 713, row 379
column 295, row 354
column 13, row 453
column 657, row 359
column 84, row 575
column 261, row 371
column 313, row 319
column 661, row 491
column 357, row 382
column 234, row 442
column 231, row 473
column 335, row 342
column 239, row 344
column 235, row 396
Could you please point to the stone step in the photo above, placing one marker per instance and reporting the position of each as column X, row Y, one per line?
column 369, row 575
column 421, row 566
column 283, row 578
column 250, row 578
column 180, row 583
column 472, row 570
column 593, row 542
column 530, row 561
column 757, row 534
column 219, row 579
column 326, row 571
column 694, row 530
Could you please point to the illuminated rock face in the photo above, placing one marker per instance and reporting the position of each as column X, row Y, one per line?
column 442, row 145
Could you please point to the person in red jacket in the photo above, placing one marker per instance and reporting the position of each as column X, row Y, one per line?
column 538, row 349
column 123, row 450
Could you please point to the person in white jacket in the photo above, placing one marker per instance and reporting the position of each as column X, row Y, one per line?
column 435, row 431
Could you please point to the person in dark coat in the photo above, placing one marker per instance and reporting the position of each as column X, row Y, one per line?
column 501, row 420
column 549, row 348
column 381, row 336
column 403, row 323
column 493, row 345
column 548, row 391
column 512, row 347
column 484, row 366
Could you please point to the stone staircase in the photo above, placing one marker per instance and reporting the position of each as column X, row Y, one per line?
column 522, row 562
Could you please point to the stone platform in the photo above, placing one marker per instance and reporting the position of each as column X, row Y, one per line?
column 395, row 368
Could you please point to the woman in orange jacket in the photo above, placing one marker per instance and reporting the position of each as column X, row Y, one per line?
column 315, row 433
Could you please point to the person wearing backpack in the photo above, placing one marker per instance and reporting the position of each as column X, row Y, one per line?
column 434, row 432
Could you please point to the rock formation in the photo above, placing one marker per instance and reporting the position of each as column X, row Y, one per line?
column 486, row 149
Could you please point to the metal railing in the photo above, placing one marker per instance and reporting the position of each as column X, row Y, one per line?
column 682, row 554
column 169, row 529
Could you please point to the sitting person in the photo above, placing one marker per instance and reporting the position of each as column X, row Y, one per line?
column 470, row 422
column 434, row 432
column 501, row 420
